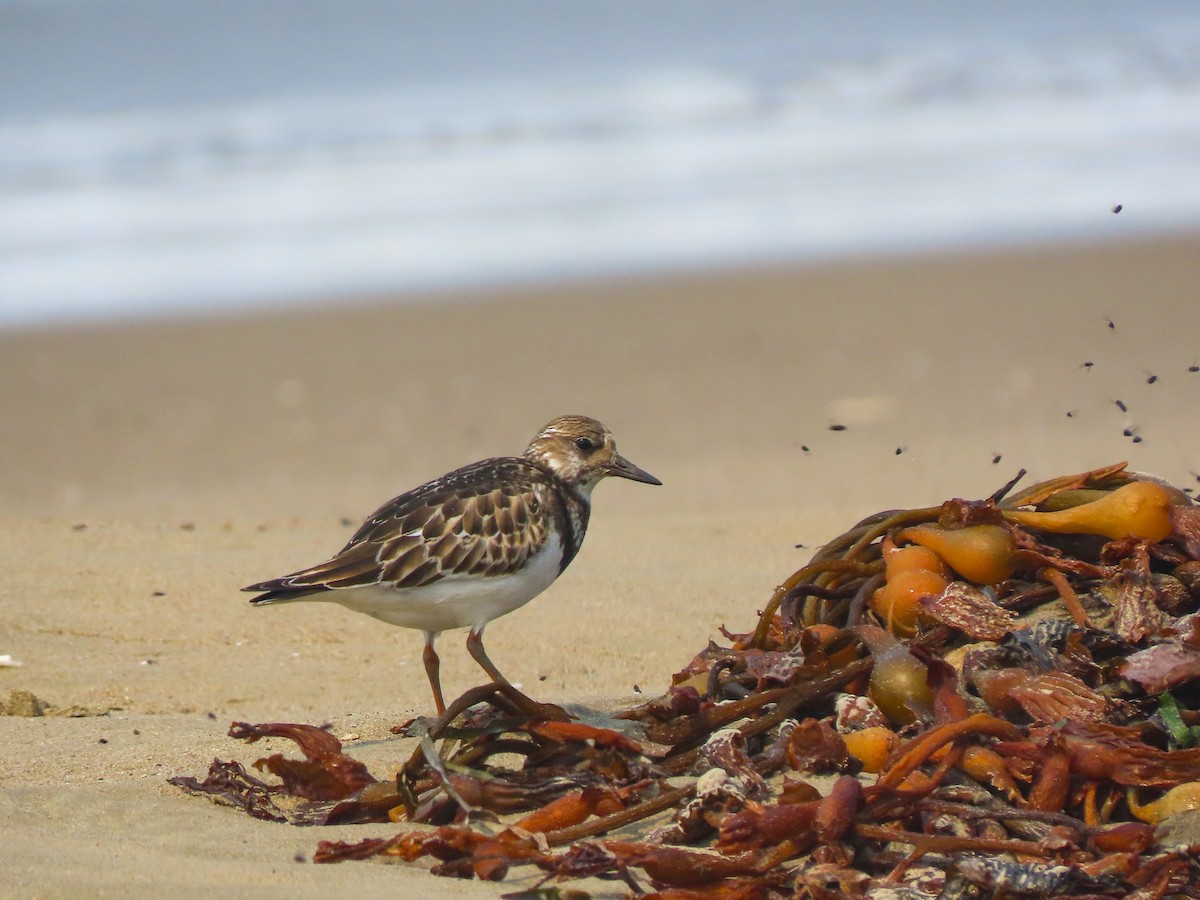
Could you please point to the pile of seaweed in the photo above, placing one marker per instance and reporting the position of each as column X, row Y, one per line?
column 983, row 698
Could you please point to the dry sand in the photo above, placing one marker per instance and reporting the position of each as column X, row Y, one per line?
column 150, row 470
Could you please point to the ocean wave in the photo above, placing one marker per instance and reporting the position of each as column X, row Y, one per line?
column 915, row 144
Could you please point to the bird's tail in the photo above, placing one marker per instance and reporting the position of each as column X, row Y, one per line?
column 280, row 590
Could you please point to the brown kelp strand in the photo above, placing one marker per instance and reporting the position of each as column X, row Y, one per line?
column 996, row 697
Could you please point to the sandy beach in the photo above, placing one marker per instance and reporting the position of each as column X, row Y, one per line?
column 152, row 469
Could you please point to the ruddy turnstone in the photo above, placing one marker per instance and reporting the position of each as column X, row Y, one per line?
column 472, row 545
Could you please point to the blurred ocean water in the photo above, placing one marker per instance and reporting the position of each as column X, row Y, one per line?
column 159, row 156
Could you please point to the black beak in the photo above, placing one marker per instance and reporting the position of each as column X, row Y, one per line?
column 623, row 468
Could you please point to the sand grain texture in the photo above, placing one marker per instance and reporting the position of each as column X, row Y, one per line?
column 150, row 470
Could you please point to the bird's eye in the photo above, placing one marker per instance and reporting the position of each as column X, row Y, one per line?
column 585, row 444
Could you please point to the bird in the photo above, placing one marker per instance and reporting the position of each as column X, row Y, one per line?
column 470, row 546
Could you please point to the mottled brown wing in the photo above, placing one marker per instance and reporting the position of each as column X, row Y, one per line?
column 484, row 519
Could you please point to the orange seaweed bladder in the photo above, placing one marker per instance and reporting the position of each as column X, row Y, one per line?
column 910, row 573
column 983, row 554
column 1139, row 509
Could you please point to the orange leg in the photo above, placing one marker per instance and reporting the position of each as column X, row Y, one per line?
column 475, row 648
column 530, row 707
column 433, row 667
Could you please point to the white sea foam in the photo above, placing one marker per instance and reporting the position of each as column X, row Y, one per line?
column 674, row 159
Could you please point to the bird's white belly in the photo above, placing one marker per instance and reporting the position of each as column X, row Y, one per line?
column 456, row 601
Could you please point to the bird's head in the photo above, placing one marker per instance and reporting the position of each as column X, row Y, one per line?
column 581, row 451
